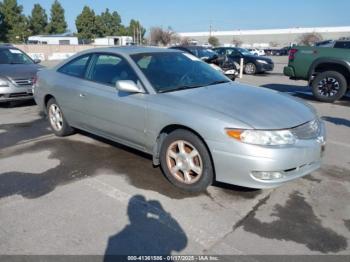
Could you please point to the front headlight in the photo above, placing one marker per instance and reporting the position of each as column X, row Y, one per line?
column 263, row 137
column 262, row 61
column 4, row 82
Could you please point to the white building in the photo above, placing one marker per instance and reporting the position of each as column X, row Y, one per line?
column 114, row 41
column 268, row 37
column 62, row 39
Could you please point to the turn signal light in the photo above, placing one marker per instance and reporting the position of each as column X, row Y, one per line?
column 234, row 133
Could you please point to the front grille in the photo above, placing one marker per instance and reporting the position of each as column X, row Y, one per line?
column 19, row 94
column 309, row 130
column 23, row 82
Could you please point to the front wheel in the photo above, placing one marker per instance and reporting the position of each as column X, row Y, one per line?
column 186, row 162
column 329, row 86
column 250, row 69
column 58, row 123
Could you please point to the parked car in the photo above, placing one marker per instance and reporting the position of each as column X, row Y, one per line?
column 222, row 63
column 326, row 69
column 257, row 52
column 17, row 74
column 207, row 45
column 278, row 52
column 252, row 64
column 192, row 119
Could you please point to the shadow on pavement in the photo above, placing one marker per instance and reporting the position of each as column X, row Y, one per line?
column 303, row 92
column 13, row 134
column 337, row 121
column 151, row 231
column 23, row 103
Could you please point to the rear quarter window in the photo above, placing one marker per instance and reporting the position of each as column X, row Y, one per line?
column 345, row 45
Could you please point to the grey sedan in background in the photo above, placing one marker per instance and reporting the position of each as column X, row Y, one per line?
column 196, row 123
column 17, row 74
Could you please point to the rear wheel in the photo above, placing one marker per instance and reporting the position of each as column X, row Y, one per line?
column 250, row 69
column 329, row 86
column 57, row 121
column 186, row 162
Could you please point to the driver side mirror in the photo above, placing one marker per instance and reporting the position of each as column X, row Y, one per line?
column 37, row 61
column 128, row 86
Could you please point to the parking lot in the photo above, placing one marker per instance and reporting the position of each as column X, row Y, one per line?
column 84, row 195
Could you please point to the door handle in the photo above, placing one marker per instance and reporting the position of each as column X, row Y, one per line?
column 81, row 95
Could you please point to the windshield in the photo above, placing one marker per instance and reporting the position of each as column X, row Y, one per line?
column 244, row 51
column 14, row 56
column 171, row 71
column 205, row 53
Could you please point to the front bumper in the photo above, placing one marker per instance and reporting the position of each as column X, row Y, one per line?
column 260, row 67
column 8, row 94
column 235, row 162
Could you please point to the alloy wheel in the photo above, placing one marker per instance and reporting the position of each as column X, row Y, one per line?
column 329, row 86
column 184, row 162
column 55, row 117
column 250, row 68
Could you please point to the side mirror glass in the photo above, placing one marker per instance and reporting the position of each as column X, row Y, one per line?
column 128, row 86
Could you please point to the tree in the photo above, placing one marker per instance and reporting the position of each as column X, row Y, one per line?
column 58, row 24
column 213, row 41
column 159, row 36
column 3, row 25
column 309, row 39
column 108, row 24
column 38, row 20
column 13, row 24
column 236, row 42
column 273, row 44
column 86, row 24
column 185, row 41
column 136, row 30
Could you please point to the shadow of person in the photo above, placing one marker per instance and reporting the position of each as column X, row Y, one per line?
column 152, row 231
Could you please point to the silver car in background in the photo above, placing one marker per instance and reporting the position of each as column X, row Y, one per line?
column 17, row 74
column 196, row 123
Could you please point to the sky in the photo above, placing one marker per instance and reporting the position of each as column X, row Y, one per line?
column 193, row 15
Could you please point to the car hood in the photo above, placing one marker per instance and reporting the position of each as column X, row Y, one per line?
column 257, row 107
column 19, row 71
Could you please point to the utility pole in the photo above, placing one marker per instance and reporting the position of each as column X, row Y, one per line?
column 210, row 28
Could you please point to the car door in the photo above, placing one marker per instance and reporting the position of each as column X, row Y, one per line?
column 109, row 112
column 234, row 54
column 68, row 82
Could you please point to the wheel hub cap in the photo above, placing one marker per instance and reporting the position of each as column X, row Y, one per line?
column 56, row 118
column 328, row 86
column 184, row 162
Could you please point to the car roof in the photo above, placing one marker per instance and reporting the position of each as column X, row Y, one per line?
column 130, row 50
column 189, row 46
column 226, row 47
column 7, row 46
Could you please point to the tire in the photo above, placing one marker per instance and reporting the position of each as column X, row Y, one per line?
column 183, row 163
column 57, row 121
column 329, row 86
column 250, row 69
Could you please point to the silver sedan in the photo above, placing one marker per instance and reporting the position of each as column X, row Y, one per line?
column 197, row 124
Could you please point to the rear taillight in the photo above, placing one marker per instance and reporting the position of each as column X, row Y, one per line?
column 292, row 53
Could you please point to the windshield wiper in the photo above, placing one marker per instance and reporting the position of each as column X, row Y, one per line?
column 185, row 87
